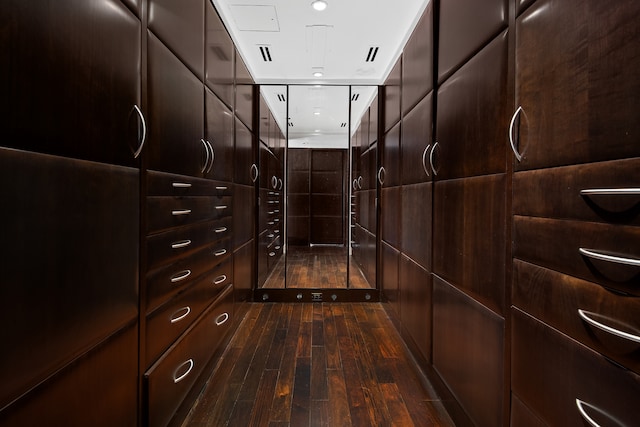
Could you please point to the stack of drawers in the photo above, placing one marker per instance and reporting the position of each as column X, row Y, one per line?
column 189, row 298
column 274, row 223
column 576, row 295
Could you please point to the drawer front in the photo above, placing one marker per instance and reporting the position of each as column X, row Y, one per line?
column 168, row 212
column 556, row 244
column 612, row 192
column 166, row 323
column 168, row 280
column 167, row 184
column 583, row 310
column 178, row 243
column 550, row 372
column 169, row 380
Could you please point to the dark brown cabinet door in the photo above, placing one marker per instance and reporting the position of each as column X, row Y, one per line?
column 416, row 223
column 245, row 169
column 327, row 196
column 465, row 26
column 219, row 134
column 415, row 301
column 390, row 215
column 577, row 64
column 417, row 62
column 417, row 144
column 71, row 77
column 180, row 26
column 176, row 115
column 244, row 93
column 390, row 175
column 390, row 264
column 219, row 57
column 472, row 116
column 244, row 214
column 391, row 94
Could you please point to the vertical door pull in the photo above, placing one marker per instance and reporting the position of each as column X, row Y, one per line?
column 433, row 150
column 360, row 182
column 381, row 174
column 274, row 182
column 143, row 139
column 424, row 159
column 280, row 184
column 254, row 172
column 213, row 155
column 176, row 378
column 511, row 139
column 208, row 158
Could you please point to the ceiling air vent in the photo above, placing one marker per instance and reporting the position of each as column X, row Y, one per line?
column 281, row 97
column 266, row 55
column 355, row 97
column 290, row 124
column 373, row 51
column 343, row 125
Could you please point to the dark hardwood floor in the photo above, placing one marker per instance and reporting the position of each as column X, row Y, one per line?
column 320, row 364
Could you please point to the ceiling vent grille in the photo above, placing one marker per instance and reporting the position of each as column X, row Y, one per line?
column 290, row 124
column 355, row 97
column 373, row 51
column 281, row 97
column 266, row 55
column 343, row 125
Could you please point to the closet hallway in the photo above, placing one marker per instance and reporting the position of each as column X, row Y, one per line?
column 320, row 364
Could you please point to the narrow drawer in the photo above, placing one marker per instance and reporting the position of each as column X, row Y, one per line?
column 557, row 244
column 166, row 184
column 603, row 192
column 169, row 279
column 564, row 382
column 604, row 321
column 169, row 380
column 168, row 212
column 168, row 321
column 180, row 242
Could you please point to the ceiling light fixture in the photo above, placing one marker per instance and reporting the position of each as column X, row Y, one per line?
column 318, row 74
column 319, row 5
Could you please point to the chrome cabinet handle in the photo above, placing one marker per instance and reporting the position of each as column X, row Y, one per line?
column 272, row 254
column 222, row 188
column 180, row 276
column 220, row 252
column 280, row 184
column 592, row 253
column 511, row 141
column 220, row 229
column 424, row 159
column 360, row 182
column 181, row 212
column 180, row 244
column 176, row 319
column 213, row 156
column 222, row 319
column 610, row 192
column 274, row 182
column 206, row 149
column 136, row 154
column 220, row 279
column 177, row 379
column 254, row 172
column 585, row 315
column 181, row 185
column 354, row 184
column 381, row 173
column 433, row 150
column 221, row 207
column 580, row 404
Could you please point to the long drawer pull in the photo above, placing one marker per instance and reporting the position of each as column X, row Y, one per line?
column 221, row 188
column 272, row 254
column 220, row 320
column 181, row 212
column 220, row 229
column 185, row 312
column 181, row 244
column 424, row 159
column 585, row 315
column 143, row 138
column 278, row 248
column 181, row 185
column 220, row 252
column 220, row 279
column 591, row 253
column 610, row 192
column 580, row 404
column 221, row 207
column 177, row 379
column 271, row 235
column 179, row 277
column 511, row 141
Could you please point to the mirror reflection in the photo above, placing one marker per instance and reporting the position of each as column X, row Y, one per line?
column 317, row 229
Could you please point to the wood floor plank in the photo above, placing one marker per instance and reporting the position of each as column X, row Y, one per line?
column 359, row 413
column 331, row 339
column 241, row 415
column 301, row 405
column 304, row 340
column 320, row 416
column 281, row 405
column 397, row 409
column 260, row 414
column 339, row 407
column 277, row 350
column 319, row 387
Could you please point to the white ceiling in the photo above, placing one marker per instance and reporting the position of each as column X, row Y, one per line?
column 297, row 40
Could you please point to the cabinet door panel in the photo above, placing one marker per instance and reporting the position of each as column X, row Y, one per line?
column 72, row 77
column 465, row 26
column 472, row 115
column 390, row 260
column 176, row 115
column 468, row 352
column 550, row 371
column 219, row 133
column 70, row 265
column 555, row 299
column 219, row 57
column 417, row 62
column 556, row 244
column 390, row 215
column 244, row 93
column 390, row 160
column 555, row 193
column 416, row 223
column 415, row 301
column 244, row 271
column 181, row 27
column 469, row 236
column 577, row 106
column 392, row 91
column 245, row 214
column 417, row 127
column 244, row 156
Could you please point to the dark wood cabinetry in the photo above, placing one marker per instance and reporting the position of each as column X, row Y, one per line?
column 219, row 57
column 417, row 62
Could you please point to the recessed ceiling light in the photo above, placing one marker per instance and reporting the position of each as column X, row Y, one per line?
column 316, row 113
column 318, row 74
column 319, row 5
